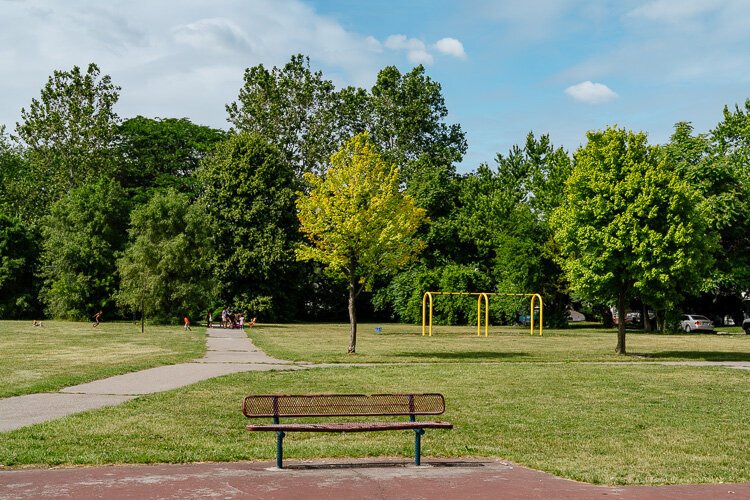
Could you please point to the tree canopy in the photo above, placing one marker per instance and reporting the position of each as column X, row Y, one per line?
column 82, row 235
column 168, row 268
column 627, row 226
column 249, row 192
column 69, row 133
column 356, row 221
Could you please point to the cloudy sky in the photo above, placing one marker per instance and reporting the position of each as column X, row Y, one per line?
column 560, row 67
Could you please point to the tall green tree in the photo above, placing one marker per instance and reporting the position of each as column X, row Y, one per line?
column 249, row 191
column 727, row 186
column 717, row 165
column 69, row 133
column 408, row 120
column 357, row 222
column 14, row 178
column 302, row 113
column 162, row 152
column 82, row 235
column 168, row 266
column 18, row 253
column 628, row 225
column 504, row 214
column 408, row 124
column 293, row 108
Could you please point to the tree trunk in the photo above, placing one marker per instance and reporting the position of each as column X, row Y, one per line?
column 660, row 321
column 620, row 323
column 607, row 321
column 647, row 323
column 352, row 318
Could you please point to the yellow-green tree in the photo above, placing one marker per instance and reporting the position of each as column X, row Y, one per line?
column 357, row 222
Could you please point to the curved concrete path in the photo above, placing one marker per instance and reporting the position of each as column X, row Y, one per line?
column 229, row 351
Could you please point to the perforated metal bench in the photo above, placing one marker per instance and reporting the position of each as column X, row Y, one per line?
column 345, row 405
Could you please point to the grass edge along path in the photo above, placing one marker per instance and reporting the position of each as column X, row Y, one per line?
column 62, row 354
column 602, row 424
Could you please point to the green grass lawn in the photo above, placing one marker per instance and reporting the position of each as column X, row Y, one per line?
column 62, row 354
column 535, row 401
column 611, row 424
column 399, row 343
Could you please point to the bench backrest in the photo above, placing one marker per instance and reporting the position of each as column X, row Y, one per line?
column 342, row 405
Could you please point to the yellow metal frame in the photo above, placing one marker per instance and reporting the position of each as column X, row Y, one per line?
column 484, row 297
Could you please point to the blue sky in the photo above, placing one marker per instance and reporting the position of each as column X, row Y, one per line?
column 560, row 67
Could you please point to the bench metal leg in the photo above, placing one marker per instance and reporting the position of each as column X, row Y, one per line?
column 418, row 446
column 279, row 449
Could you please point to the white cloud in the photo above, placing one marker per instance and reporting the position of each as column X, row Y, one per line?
column 451, row 47
column 173, row 58
column 212, row 33
column 417, row 51
column 591, row 93
column 420, row 57
column 401, row 42
column 674, row 11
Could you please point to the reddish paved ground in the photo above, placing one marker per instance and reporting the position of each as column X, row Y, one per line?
column 326, row 479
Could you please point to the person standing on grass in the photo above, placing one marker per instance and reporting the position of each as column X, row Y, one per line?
column 98, row 318
column 209, row 319
column 187, row 323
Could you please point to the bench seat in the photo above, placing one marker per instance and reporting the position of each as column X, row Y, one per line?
column 350, row 426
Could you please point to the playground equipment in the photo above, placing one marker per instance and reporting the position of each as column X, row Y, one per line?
column 483, row 297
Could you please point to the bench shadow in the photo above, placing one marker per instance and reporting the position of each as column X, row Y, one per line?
column 378, row 465
column 698, row 355
column 471, row 355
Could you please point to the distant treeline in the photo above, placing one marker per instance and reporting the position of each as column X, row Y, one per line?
column 164, row 215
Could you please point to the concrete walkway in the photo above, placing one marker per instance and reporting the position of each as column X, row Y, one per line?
column 229, row 351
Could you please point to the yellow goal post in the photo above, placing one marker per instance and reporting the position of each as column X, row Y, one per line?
column 482, row 298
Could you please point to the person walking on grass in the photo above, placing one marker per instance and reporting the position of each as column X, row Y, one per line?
column 98, row 318
column 187, row 323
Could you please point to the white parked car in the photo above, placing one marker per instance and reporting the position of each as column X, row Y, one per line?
column 695, row 322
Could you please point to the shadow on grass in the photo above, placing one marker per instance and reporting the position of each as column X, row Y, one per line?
column 699, row 355
column 462, row 355
column 584, row 325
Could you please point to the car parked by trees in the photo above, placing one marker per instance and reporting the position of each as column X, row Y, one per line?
column 694, row 323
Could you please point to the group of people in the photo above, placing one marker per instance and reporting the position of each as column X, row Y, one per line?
column 230, row 319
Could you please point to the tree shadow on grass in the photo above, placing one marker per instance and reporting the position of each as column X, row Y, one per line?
column 698, row 355
column 471, row 355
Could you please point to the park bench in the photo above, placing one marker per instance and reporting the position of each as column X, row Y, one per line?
column 345, row 405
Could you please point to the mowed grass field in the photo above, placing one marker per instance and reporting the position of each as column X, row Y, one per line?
column 541, row 402
column 399, row 343
column 60, row 354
